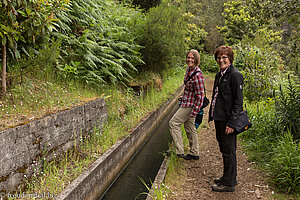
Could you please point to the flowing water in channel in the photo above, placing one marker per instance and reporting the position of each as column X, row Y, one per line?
column 144, row 165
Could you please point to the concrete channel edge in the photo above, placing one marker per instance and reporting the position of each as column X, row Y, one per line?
column 94, row 181
column 160, row 177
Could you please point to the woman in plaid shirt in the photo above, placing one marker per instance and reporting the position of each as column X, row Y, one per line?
column 191, row 103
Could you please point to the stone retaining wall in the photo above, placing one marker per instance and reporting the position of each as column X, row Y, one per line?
column 24, row 148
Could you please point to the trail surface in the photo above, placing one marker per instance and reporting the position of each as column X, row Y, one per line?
column 197, row 177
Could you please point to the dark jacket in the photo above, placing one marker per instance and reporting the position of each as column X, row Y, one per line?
column 229, row 102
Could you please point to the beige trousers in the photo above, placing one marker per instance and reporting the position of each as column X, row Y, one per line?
column 183, row 116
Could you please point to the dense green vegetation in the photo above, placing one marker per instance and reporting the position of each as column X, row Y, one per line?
column 74, row 50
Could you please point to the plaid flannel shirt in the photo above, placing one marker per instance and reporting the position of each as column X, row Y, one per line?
column 193, row 94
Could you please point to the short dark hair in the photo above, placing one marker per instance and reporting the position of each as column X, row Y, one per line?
column 227, row 50
column 196, row 56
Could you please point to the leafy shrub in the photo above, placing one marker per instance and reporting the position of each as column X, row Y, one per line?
column 196, row 34
column 238, row 22
column 288, row 108
column 261, row 69
column 245, row 20
column 162, row 34
column 208, row 63
column 38, row 63
column 285, row 164
column 145, row 4
column 69, row 71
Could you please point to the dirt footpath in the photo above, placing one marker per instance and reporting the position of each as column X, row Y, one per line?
column 197, row 178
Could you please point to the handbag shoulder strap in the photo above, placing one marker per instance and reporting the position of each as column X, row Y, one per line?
column 204, row 89
column 189, row 78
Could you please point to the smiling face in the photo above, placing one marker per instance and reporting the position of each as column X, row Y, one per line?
column 223, row 61
column 190, row 60
column 224, row 57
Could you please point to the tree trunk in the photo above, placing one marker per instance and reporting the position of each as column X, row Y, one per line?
column 3, row 76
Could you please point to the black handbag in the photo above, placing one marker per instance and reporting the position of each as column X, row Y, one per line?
column 241, row 123
column 205, row 100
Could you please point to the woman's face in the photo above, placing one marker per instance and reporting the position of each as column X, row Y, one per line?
column 190, row 60
column 223, row 61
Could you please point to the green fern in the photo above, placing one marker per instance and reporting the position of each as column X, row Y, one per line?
column 101, row 40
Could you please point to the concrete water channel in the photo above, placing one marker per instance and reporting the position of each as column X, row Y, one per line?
column 144, row 165
column 117, row 174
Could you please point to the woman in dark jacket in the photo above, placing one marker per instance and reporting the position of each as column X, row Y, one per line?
column 226, row 104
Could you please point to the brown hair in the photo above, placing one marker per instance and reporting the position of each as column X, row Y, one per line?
column 196, row 56
column 227, row 50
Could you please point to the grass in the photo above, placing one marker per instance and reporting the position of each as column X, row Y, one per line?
column 285, row 165
column 158, row 192
column 36, row 98
column 273, row 148
column 125, row 110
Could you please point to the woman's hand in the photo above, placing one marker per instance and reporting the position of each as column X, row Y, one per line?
column 229, row 130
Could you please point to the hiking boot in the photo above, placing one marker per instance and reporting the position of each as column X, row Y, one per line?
column 222, row 188
column 218, row 180
column 190, row 157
